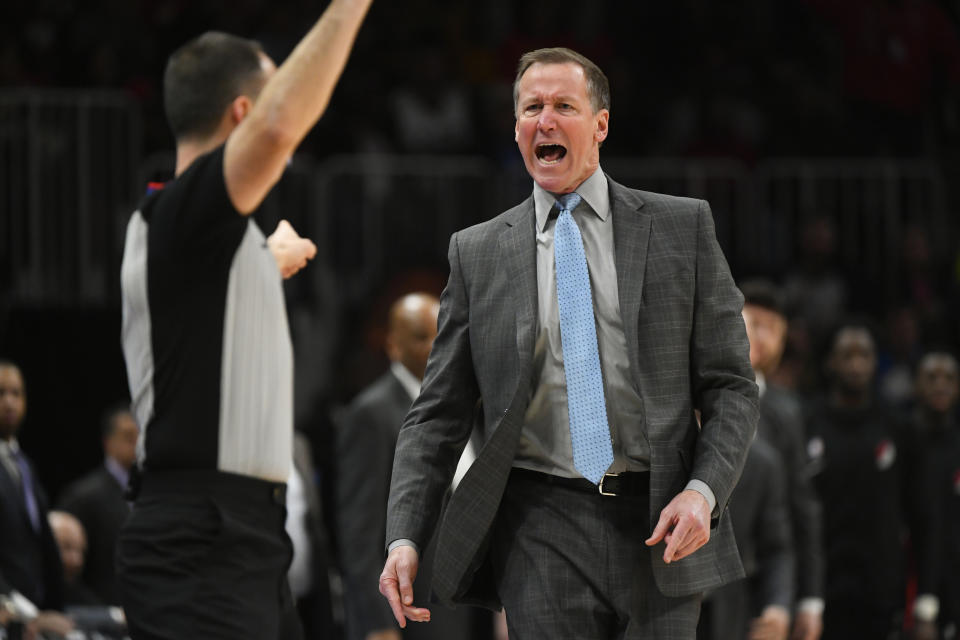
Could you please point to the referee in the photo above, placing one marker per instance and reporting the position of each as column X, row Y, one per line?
column 206, row 342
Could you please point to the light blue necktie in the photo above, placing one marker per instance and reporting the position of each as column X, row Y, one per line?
column 589, row 429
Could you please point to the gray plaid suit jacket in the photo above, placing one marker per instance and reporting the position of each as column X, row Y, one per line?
column 687, row 350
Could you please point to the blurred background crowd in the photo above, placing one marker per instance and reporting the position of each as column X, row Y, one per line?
column 825, row 134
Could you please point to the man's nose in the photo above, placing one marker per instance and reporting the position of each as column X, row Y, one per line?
column 547, row 120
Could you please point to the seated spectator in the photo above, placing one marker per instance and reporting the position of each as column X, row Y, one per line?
column 91, row 619
column 97, row 501
column 72, row 541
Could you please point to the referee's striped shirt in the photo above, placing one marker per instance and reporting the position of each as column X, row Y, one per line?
column 205, row 333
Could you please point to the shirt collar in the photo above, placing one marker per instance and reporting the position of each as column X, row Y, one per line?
column 9, row 447
column 121, row 475
column 408, row 381
column 593, row 190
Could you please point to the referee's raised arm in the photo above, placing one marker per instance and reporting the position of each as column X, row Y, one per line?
column 291, row 102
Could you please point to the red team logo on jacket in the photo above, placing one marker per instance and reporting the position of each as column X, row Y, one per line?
column 885, row 454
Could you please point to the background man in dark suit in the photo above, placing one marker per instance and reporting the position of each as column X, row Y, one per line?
column 29, row 557
column 757, row 607
column 366, row 440
column 97, row 500
column 781, row 425
column 588, row 342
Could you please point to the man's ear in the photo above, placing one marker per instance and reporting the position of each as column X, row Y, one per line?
column 603, row 125
column 239, row 109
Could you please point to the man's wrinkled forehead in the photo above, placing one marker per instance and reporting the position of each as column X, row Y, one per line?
column 567, row 78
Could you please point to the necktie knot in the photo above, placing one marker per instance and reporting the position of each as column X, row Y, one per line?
column 569, row 201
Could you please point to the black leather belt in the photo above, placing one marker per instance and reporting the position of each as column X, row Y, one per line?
column 628, row 483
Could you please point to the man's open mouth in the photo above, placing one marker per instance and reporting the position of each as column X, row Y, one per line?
column 550, row 153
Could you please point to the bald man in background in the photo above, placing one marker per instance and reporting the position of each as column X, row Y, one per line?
column 366, row 439
column 71, row 539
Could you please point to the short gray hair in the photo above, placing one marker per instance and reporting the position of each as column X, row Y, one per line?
column 598, row 87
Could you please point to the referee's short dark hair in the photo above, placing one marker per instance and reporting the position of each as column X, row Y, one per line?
column 763, row 293
column 204, row 76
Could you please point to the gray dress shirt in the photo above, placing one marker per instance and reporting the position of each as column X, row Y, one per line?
column 545, row 438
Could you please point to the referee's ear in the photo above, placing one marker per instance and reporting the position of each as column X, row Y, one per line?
column 239, row 109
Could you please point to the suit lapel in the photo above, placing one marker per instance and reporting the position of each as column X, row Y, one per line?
column 518, row 250
column 631, row 235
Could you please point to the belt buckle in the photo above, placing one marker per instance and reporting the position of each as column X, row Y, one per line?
column 602, row 480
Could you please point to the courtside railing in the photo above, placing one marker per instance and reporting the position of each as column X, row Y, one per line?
column 68, row 167
column 71, row 171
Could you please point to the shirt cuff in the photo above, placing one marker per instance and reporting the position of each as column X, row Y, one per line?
column 814, row 606
column 403, row 542
column 701, row 487
column 926, row 607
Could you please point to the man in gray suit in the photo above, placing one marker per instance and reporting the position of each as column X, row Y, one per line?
column 587, row 341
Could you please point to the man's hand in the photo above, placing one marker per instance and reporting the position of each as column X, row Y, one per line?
column 773, row 624
column 50, row 622
column 684, row 524
column 384, row 634
column 290, row 250
column 396, row 585
column 807, row 626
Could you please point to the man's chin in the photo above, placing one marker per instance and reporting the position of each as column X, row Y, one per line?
column 552, row 181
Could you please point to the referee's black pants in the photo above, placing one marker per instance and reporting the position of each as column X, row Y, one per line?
column 204, row 554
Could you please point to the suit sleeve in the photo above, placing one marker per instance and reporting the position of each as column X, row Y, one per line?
column 721, row 377
column 438, row 425
column 364, row 456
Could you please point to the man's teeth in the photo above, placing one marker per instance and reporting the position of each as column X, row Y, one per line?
column 550, row 153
